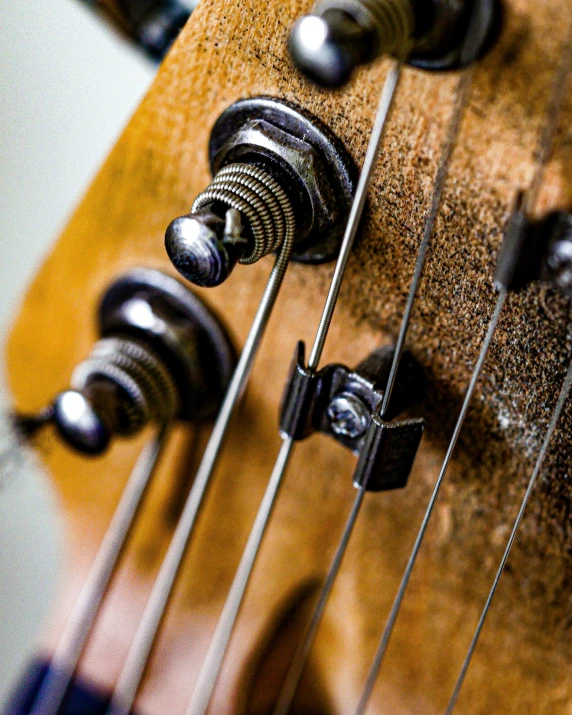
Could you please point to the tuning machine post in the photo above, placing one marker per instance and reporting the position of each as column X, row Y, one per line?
column 278, row 172
column 340, row 35
column 345, row 403
column 161, row 355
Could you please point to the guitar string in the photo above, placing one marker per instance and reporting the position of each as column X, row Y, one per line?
column 212, row 663
column 565, row 391
column 80, row 624
column 542, row 155
column 546, row 141
column 150, row 458
column 298, row 663
column 378, row 659
column 288, row 690
column 135, row 664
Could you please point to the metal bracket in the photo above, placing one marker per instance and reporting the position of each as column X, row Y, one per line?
column 388, row 453
column 536, row 250
column 344, row 404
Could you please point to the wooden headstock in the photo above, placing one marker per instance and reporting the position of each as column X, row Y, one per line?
column 233, row 50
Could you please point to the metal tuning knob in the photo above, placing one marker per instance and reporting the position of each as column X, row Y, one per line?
column 279, row 175
column 162, row 355
column 340, row 35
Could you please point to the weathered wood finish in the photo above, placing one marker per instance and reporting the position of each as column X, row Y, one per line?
column 231, row 50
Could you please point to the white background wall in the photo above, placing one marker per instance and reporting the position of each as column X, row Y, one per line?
column 67, row 86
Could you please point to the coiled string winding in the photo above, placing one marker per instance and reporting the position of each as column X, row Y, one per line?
column 150, row 389
column 392, row 21
column 260, row 199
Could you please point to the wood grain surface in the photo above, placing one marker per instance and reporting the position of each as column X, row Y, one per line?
column 231, row 50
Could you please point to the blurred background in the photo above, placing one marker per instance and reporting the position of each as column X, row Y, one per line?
column 68, row 85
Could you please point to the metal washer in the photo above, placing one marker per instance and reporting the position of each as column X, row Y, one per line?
column 302, row 125
column 200, row 398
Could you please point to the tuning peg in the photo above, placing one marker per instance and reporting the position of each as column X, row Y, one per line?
column 328, row 47
column 205, row 248
column 161, row 355
column 79, row 424
column 280, row 178
column 341, row 35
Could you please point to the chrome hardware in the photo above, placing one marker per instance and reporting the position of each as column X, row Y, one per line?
column 344, row 403
column 278, row 173
column 162, row 355
column 205, row 247
column 348, row 415
column 340, row 35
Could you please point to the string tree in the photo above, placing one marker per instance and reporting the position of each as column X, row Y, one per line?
column 276, row 171
column 345, row 403
column 161, row 355
column 341, row 35
column 536, row 249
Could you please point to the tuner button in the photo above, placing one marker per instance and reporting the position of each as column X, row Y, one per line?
column 196, row 249
column 328, row 47
column 79, row 424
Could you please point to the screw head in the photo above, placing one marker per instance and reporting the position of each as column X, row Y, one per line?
column 348, row 415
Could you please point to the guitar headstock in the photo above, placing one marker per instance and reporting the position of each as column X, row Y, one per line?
column 230, row 52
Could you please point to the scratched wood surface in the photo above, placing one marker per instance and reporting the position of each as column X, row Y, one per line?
column 522, row 664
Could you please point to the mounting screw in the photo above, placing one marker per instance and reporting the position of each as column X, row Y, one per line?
column 348, row 415
column 535, row 250
column 559, row 253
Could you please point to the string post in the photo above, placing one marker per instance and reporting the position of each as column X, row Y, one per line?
column 536, row 250
column 161, row 355
column 278, row 176
column 344, row 404
column 341, row 35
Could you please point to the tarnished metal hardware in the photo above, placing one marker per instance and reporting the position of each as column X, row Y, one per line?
column 344, row 404
column 280, row 170
column 387, row 454
column 152, row 25
column 536, row 250
column 161, row 355
column 341, row 35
